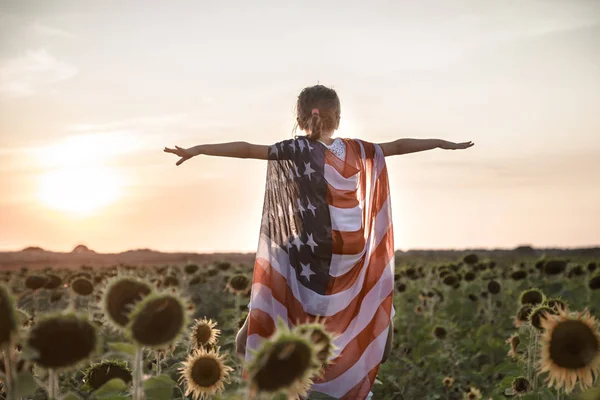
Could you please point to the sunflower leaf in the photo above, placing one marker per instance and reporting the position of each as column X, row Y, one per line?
column 71, row 396
column 112, row 388
column 159, row 387
column 25, row 385
column 122, row 347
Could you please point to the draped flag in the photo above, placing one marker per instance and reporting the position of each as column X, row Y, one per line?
column 326, row 249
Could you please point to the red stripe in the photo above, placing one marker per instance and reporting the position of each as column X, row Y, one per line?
column 361, row 390
column 260, row 323
column 342, row 198
column 355, row 348
column 271, row 278
column 380, row 258
column 347, row 242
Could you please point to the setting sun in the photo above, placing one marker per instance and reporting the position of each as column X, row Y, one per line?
column 79, row 191
column 77, row 177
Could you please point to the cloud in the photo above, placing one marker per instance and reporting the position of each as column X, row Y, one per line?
column 26, row 74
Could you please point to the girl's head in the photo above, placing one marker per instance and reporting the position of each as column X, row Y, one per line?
column 318, row 111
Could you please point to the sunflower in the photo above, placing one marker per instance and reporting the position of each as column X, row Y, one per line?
column 204, row 373
column 448, row 382
column 532, row 297
column 82, row 286
column 98, row 374
column 554, row 267
column 35, row 282
column 120, row 296
column 494, row 287
column 8, row 318
column 473, row 394
column 204, row 333
column 514, row 342
column 556, row 304
column 158, row 320
column 523, row 315
column 238, row 284
column 319, row 336
column 521, row 386
column 518, row 275
column 62, row 341
column 570, row 349
column 190, row 269
column 440, row 332
column 286, row 362
column 535, row 318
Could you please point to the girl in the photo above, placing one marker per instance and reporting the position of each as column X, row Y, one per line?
column 326, row 245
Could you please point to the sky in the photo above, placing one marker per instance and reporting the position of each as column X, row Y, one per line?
column 91, row 93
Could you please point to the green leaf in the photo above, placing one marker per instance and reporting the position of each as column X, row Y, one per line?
column 123, row 347
column 111, row 388
column 29, row 353
column 71, row 396
column 159, row 387
column 25, row 385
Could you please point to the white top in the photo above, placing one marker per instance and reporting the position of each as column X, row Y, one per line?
column 337, row 147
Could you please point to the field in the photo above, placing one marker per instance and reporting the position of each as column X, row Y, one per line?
column 467, row 325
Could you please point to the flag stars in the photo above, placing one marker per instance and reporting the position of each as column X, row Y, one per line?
column 311, row 208
column 306, row 271
column 273, row 151
column 297, row 172
column 301, row 145
column 297, row 242
column 301, row 209
column 308, row 170
column 293, row 146
column 311, row 242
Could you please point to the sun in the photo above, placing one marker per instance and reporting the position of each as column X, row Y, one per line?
column 79, row 190
column 77, row 178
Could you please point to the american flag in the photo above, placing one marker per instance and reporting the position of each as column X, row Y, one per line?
column 326, row 249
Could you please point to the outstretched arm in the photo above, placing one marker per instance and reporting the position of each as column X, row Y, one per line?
column 404, row 146
column 231, row 149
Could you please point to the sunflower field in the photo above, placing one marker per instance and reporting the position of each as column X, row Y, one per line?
column 466, row 327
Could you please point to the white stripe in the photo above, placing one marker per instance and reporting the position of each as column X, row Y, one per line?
column 369, row 359
column 342, row 263
column 262, row 299
column 370, row 304
column 335, row 179
column 252, row 343
column 312, row 303
column 346, row 219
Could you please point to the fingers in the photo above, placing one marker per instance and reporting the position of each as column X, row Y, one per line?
column 182, row 160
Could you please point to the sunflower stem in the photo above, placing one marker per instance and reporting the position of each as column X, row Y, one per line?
column 533, row 375
column 138, row 372
column 34, row 304
column 52, row 384
column 237, row 306
column 489, row 308
column 157, row 363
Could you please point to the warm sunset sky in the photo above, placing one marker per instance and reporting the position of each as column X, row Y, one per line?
column 91, row 92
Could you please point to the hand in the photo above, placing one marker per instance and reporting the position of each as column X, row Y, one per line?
column 455, row 146
column 185, row 154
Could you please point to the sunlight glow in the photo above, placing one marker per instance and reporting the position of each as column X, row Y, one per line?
column 79, row 191
column 77, row 178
